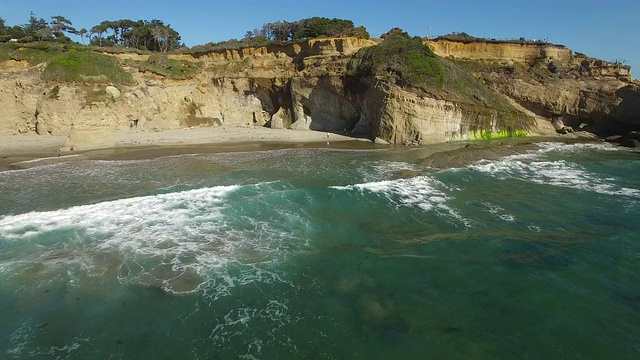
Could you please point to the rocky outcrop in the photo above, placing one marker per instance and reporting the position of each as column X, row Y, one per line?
column 20, row 91
column 632, row 139
column 600, row 104
column 303, row 86
column 523, row 53
column 573, row 91
column 529, row 54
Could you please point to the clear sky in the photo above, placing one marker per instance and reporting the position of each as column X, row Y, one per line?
column 605, row 29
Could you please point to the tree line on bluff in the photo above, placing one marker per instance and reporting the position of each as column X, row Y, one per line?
column 152, row 35
column 155, row 35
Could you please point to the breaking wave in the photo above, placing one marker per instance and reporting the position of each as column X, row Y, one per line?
column 559, row 173
column 421, row 192
column 181, row 241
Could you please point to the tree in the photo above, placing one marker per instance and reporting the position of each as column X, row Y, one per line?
column 45, row 34
column 16, row 32
column 37, row 28
column 310, row 28
column 123, row 28
column 11, row 32
column 100, row 29
column 61, row 24
column 82, row 33
column 151, row 35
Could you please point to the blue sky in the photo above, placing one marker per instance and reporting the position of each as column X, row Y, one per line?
column 605, row 29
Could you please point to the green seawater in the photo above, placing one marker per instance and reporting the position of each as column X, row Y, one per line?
column 323, row 254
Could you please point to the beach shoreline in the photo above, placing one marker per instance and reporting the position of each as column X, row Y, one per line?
column 26, row 151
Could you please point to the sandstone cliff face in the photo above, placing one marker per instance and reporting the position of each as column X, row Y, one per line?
column 400, row 116
column 298, row 86
column 520, row 53
column 302, row 86
column 20, row 91
column 529, row 54
column 553, row 83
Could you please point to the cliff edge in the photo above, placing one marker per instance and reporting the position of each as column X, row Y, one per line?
column 478, row 90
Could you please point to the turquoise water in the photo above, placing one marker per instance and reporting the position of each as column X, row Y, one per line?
column 323, row 254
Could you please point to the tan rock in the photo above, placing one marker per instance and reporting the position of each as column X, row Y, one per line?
column 281, row 119
column 113, row 92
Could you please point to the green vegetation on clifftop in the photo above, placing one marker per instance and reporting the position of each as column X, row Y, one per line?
column 399, row 59
column 86, row 67
column 35, row 53
column 170, row 68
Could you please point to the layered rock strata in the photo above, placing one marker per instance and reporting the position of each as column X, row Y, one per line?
column 303, row 87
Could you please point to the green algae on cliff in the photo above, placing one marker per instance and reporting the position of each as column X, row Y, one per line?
column 500, row 134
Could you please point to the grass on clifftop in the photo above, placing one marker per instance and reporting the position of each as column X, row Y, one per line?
column 399, row 59
column 170, row 68
column 83, row 66
column 35, row 53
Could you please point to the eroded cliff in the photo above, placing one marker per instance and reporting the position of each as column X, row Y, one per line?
column 488, row 89
column 553, row 83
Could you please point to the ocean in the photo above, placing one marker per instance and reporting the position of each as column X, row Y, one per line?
column 323, row 254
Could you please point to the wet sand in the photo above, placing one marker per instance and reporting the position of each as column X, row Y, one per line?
column 24, row 151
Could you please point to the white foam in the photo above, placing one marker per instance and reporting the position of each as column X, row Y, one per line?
column 174, row 241
column 422, row 192
column 419, row 191
column 546, row 147
column 392, row 166
column 382, row 169
column 559, row 173
column 147, row 214
column 242, row 321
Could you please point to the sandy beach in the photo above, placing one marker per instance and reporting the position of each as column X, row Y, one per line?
column 22, row 151
column 26, row 151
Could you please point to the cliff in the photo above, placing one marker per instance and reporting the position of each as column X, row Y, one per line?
column 489, row 90
column 552, row 83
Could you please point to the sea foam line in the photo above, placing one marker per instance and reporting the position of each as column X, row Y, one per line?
column 545, row 147
column 559, row 173
column 421, row 192
column 109, row 216
column 181, row 242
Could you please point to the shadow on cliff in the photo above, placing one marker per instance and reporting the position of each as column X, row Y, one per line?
column 326, row 108
column 628, row 111
column 620, row 120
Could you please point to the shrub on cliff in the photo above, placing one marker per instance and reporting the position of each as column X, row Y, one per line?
column 82, row 66
column 400, row 59
column 34, row 52
column 170, row 68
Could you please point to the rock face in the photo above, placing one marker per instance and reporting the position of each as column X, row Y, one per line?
column 20, row 90
column 572, row 90
column 501, row 51
column 303, row 86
